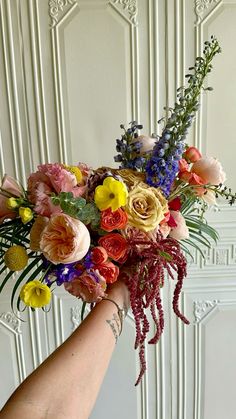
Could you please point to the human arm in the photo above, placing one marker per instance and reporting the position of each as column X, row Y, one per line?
column 67, row 383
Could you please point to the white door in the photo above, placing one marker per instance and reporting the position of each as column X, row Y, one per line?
column 70, row 72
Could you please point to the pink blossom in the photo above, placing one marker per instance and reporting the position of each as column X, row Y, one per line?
column 10, row 185
column 210, row 170
column 61, row 179
column 64, row 239
column 181, row 231
column 147, row 143
column 89, row 286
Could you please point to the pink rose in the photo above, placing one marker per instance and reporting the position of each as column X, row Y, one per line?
column 64, row 239
column 192, row 154
column 10, row 185
column 90, row 286
column 147, row 143
column 181, row 231
column 210, row 170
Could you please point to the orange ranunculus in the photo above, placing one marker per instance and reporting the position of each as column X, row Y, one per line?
column 192, row 154
column 115, row 245
column 183, row 165
column 108, row 270
column 64, row 239
column 99, row 255
column 113, row 220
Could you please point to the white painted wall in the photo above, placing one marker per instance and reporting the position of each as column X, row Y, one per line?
column 70, row 72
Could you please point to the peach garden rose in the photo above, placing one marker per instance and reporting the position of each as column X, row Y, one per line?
column 64, row 239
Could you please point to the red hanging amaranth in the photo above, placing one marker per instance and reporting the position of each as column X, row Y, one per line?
column 145, row 281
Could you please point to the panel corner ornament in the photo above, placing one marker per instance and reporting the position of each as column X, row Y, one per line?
column 201, row 6
column 201, row 308
column 11, row 320
column 56, row 9
column 130, row 6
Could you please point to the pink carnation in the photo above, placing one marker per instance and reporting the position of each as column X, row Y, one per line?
column 61, row 179
column 90, row 287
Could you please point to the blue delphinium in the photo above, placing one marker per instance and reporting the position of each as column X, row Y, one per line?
column 128, row 148
column 162, row 167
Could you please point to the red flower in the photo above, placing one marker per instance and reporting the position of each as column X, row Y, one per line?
column 108, row 271
column 113, row 220
column 192, row 154
column 99, row 255
column 175, row 204
column 183, row 165
column 115, row 245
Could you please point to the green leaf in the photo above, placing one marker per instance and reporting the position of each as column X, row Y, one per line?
column 5, row 280
column 83, row 310
column 165, row 255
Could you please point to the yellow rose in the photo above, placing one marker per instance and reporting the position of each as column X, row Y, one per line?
column 145, row 207
column 12, row 203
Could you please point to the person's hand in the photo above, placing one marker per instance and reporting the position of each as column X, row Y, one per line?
column 119, row 293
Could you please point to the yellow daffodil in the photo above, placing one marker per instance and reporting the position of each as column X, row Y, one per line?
column 111, row 194
column 35, row 294
column 75, row 171
column 26, row 214
column 12, row 203
column 16, row 258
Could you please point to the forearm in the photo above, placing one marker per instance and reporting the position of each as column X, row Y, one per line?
column 67, row 383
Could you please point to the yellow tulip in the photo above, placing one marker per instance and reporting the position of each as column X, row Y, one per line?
column 35, row 294
column 12, row 203
column 111, row 194
column 26, row 214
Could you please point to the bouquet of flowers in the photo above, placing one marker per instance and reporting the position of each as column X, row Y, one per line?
column 76, row 226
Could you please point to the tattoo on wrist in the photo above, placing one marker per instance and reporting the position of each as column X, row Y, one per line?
column 114, row 324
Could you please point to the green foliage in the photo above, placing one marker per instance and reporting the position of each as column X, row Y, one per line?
column 201, row 234
column 78, row 208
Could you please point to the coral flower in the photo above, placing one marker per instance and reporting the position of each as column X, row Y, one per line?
column 111, row 194
column 35, row 294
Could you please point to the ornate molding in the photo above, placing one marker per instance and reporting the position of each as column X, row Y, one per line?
column 201, row 6
column 201, row 308
column 12, row 321
column 56, row 9
column 130, row 6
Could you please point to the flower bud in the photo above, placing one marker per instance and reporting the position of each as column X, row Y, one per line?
column 192, row 154
column 26, row 214
column 12, row 203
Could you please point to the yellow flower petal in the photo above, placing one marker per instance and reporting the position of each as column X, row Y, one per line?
column 26, row 214
column 35, row 294
column 111, row 194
